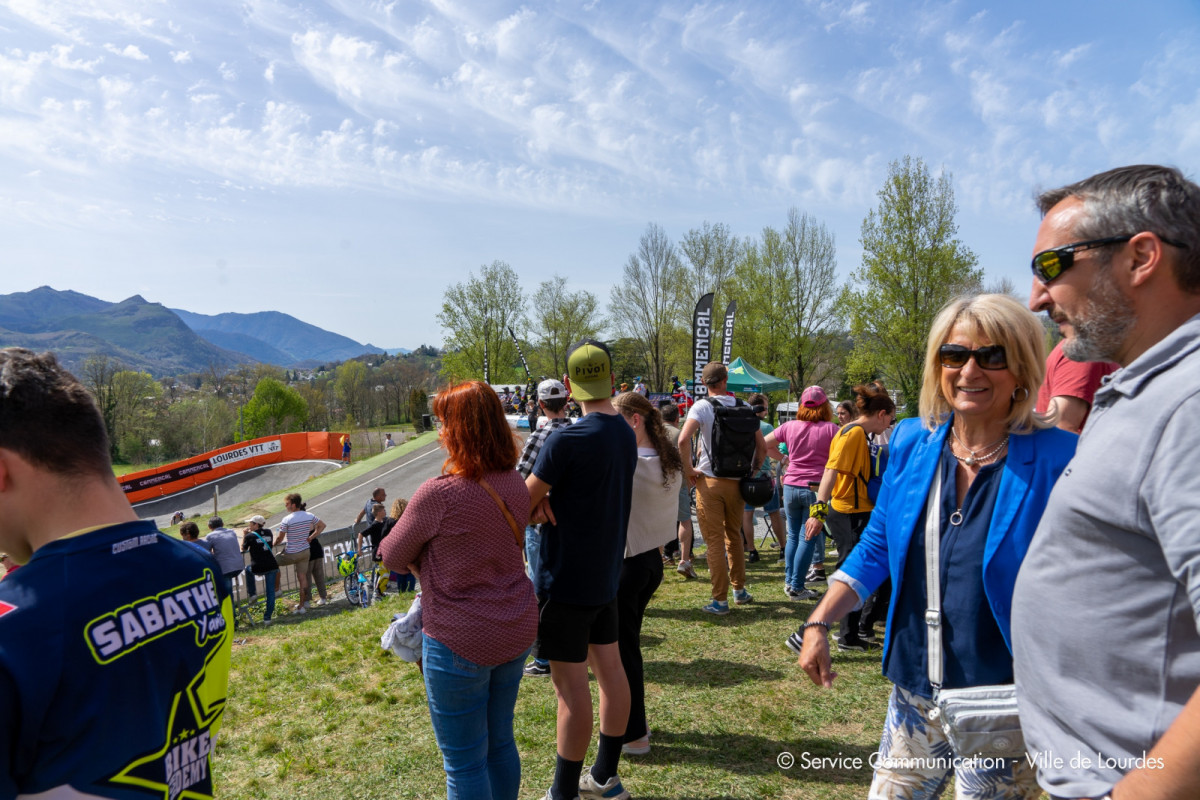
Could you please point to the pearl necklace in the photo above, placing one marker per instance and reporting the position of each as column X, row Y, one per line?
column 974, row 459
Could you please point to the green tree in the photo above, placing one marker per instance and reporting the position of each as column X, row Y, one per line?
column 418, row 407
column 98, row 373
column 760, row 283
column 196, row 425
column 810, row 304
column 351, row 389
column 481, row 310
column 274, row 408
column 561, row 318
column 787, row 318
column 913, row 263
column 711, row 254
column 137, row 398
column 650, row 304
column 317, row 396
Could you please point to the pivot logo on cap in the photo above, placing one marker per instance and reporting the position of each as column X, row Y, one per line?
column 585, row 371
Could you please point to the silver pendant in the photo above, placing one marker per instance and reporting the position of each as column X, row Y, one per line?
column 970, row 462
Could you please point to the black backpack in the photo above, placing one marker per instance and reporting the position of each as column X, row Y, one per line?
column 734, row 431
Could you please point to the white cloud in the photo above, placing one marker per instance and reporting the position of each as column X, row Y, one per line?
column 61, row 58
column 666, row 109
column 1074, row 54
column 128, row 51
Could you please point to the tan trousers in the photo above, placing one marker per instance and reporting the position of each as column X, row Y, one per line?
column 719, row 507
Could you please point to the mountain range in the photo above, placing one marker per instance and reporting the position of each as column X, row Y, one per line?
column 162, row 341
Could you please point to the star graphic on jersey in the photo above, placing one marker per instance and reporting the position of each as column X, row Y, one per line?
column 182, row 768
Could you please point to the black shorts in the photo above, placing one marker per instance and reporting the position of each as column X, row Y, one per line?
column 566, row 629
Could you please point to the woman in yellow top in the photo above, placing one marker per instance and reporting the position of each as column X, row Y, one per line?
column 842, row 504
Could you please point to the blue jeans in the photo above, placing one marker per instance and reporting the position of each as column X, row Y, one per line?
column 269, row 582
column 798, row 553
column 533, row 552
column 818, row 559
column 471, row 707
column 533, row 563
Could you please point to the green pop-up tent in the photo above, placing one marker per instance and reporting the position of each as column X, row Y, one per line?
column 745, row 378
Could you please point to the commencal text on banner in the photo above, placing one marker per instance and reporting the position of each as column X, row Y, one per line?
column 205, row 465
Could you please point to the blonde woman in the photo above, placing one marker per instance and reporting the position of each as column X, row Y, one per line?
column 997, row 462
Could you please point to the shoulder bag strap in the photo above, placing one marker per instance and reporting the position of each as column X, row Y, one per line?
column 933, row 580
column 512, row 522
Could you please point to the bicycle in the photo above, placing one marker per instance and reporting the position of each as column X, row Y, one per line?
column 248, row 613
column 360, row 585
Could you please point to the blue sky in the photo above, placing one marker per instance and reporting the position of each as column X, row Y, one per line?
column 345, row 161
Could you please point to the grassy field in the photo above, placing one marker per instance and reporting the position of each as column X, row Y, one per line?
column 317, row 708
column 121, row 470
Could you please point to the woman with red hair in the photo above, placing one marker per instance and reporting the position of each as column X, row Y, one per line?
column 462, row 533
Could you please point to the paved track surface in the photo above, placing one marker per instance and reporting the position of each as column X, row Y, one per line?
column 338, row 507
column 234, row 490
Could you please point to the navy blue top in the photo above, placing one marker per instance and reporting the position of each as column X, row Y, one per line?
column 973, row 647
column 589, row 466
column 120, row 696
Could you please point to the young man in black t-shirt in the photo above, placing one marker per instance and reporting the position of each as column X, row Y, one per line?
column 589, row 466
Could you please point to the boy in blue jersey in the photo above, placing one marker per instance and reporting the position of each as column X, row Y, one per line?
column 120, row 696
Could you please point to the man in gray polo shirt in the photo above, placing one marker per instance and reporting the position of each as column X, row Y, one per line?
column 1105, row 611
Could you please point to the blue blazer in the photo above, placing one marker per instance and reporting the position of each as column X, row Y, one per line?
column 1033, row 465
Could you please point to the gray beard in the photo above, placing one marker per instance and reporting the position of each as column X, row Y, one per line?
column 1103, row 327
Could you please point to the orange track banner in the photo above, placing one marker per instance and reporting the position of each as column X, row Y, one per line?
column 192, row 472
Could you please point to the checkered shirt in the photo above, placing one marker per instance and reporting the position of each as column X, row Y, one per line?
column 534, row 443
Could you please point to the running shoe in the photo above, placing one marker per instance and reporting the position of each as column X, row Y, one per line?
column 611, row 789
column 716, row 607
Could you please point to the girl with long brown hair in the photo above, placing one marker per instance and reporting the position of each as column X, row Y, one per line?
column 656, row 483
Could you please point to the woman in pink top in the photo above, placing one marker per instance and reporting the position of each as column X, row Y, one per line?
column 478, row 608
column 807, row 438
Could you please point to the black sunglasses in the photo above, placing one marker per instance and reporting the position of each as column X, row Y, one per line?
column 955, row 356
column 1049, row 264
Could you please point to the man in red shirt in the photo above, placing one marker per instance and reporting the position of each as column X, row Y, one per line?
column 1070, row 386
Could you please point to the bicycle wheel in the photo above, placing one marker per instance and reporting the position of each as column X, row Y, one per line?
column 247, row 613
column 366, row 589
column 241, row 617
column 350, row 586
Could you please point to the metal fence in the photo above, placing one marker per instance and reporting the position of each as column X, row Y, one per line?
column 334, row 543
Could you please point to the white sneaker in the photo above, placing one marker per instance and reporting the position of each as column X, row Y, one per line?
column 686, row 569
column 611, row 789
column 301, row 609
column 638, row 747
